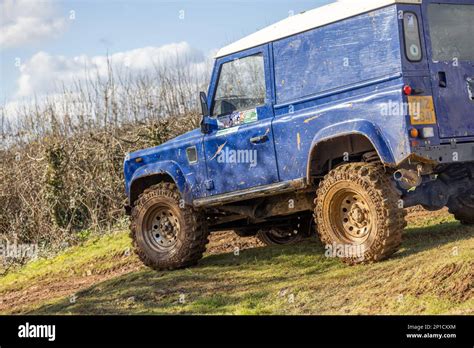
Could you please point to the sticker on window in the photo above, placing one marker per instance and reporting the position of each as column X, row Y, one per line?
column 237, row 118
column 412, row 37
column 249, row 116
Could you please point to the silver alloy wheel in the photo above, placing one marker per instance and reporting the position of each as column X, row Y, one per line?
column 162, row 228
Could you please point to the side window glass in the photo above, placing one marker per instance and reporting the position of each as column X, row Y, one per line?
column 241, row 86
column 412, row 37
column 451, row 31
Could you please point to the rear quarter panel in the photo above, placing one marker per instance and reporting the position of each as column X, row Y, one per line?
column 350, row 70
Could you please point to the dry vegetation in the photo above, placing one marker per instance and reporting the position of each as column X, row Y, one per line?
column 61, row 158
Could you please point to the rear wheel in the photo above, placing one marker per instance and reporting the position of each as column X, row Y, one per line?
column 165, row 235
column 358, row 213
column 462, row 208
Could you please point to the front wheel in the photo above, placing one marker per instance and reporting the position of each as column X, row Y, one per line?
column 166, row 235
column 358, row 213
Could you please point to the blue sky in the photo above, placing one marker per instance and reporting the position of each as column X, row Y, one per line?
column 35, row 33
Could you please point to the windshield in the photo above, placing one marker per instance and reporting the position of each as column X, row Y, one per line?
column 451, row 31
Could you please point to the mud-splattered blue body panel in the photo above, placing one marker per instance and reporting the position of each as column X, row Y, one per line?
column 343, row 78
column 333, row 81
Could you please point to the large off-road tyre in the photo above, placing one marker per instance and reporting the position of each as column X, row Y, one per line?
column 167, row 235
column 462, row 207
column 358, row 213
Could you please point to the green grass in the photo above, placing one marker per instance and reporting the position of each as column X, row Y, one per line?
column 97, row 254
column 433, row 273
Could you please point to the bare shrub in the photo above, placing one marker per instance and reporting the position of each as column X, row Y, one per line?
column 61, row 158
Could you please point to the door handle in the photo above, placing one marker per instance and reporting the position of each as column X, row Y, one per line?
column 260, row 139
column 442, row 79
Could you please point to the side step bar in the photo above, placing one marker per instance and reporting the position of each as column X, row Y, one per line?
column 254, row 192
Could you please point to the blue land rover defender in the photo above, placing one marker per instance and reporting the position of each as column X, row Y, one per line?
column 333, row 120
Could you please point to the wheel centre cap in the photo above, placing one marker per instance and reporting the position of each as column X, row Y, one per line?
column 357, row 214
column 166, row 227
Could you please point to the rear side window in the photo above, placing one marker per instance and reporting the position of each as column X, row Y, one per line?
column 412, row 37
column 451, row 31
column 241, row 85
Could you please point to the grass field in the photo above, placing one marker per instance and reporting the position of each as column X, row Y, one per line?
column 433, row 273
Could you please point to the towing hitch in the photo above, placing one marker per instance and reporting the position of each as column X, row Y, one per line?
column 435, row 194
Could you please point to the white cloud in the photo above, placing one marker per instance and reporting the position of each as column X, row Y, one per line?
column 44, row 73
column 43, row 76
column 26, row 21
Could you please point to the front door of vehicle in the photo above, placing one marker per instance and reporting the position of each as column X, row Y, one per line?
column 449, row 25
column 241, row 153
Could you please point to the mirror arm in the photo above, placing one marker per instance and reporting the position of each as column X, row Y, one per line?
column 204, row 106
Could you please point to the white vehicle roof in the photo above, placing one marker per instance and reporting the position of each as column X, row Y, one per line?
column 304, row 21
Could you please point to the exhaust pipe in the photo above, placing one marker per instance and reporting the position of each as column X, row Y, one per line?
column 407, row 178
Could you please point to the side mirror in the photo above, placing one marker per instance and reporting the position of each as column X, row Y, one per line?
column 208, row 125
column 204, row 106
